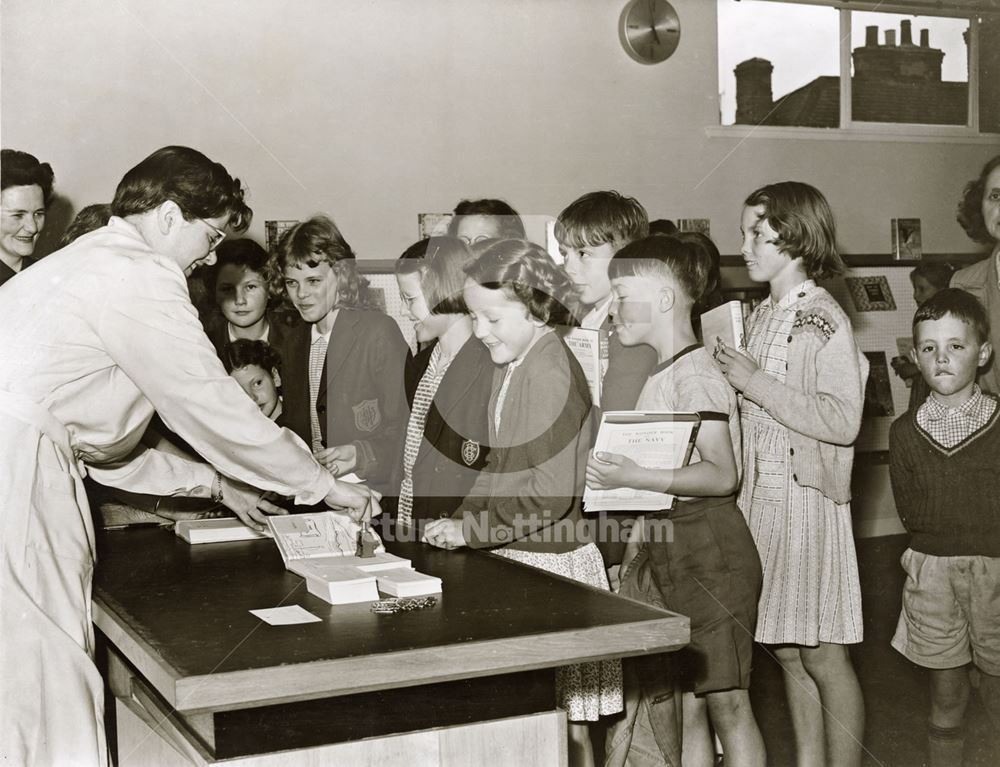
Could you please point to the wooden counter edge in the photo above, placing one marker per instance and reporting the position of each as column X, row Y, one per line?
column 429, row 665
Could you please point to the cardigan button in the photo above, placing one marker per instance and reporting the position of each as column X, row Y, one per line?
column 789, row 339
column 802, row 294
column 791, row 451
column 795, row 477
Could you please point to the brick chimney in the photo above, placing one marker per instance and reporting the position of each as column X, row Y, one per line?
column 905, row 61
column 753, row 91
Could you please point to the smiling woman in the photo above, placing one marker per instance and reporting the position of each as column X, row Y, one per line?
column 26, row 192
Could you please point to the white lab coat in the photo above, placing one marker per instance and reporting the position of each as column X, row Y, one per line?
column 92, row 339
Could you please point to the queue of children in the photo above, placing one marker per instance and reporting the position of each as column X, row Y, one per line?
column 483, row 437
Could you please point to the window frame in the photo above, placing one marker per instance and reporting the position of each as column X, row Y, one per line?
column 850, row 128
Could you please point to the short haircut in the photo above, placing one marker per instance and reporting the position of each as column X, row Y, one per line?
column 707, row 253
column 970, row 207
column 961, row 305
column 684, row 263
column 803, row 221
column 88, row 219
column 243, row 352
column 441, row 262
column 240, row 252
column 509, row 222
column 316, row 241
column 525, row 273
column 23, row 169
column 200, row 188
column 602, row 217
column 937, row 273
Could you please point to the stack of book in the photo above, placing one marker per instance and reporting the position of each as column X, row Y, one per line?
column 323, row 548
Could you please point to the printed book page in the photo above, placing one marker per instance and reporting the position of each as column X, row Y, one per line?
column 321, row 534
column 653, row 440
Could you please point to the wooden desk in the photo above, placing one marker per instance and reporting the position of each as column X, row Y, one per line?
column 457, row 683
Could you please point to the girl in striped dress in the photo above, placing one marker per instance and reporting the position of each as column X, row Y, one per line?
column 803, row 382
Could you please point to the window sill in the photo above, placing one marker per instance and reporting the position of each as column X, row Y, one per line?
column 865, row 132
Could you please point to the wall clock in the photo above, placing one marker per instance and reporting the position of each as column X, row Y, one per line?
column 649, row 30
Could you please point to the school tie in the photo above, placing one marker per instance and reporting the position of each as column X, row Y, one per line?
column 317, row 359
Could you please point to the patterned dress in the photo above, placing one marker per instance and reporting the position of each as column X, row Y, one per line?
column 811, row 592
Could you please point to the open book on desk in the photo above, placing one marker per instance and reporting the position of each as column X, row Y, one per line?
column 323, row 548
column 654, row 440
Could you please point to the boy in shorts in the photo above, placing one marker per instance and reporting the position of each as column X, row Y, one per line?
column 706, row 566
column 943, row 467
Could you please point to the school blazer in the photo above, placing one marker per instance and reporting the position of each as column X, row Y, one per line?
column 361, row 399
column 456, row 432
column 528, row 496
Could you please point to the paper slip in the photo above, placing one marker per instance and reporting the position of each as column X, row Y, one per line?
column 654, row 440
column 285, row 616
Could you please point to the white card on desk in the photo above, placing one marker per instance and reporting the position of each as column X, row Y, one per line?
column 285, row 616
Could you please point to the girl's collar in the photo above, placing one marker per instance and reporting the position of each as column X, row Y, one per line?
column 795, row 293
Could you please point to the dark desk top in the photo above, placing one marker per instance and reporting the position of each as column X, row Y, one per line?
column 179, row 613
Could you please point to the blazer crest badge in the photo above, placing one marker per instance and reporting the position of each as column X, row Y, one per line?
column 470, row 451
column 367, row 415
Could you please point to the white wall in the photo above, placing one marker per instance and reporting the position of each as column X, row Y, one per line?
column 376, row 110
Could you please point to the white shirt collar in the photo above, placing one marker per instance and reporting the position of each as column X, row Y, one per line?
column 596, row 316
column 314, row 333
column 261, row 337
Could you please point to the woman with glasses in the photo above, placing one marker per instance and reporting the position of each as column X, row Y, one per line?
column 96, row 337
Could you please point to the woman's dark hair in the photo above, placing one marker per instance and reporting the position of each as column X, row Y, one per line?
column 87, row 220
column 970, row 207
column 525, row 273
column 200, row 188
column 23, row 169
column 801, row 217
column 243, row 352
column 937, row 273
column 959, row 304
column 510, row 225
column 662, row 226
column 316, row 241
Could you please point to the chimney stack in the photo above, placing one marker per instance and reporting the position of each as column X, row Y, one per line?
column 753, row 91
column 905, row 33
column 925, row 38
column 871, row 37
column 890, row 38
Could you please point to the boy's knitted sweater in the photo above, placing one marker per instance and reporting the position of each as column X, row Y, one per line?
column 948, row 498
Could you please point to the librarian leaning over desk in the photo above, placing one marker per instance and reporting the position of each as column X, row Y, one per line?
column 94, row 338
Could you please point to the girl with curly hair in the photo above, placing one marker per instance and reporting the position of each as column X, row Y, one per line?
column 525, row 505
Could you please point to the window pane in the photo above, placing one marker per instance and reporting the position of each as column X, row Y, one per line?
column 779, row 64
column 989, row 75
column 909, row 69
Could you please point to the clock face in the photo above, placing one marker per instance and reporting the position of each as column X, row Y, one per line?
column 649, row 30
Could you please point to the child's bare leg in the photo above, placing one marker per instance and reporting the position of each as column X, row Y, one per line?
column 734, row 722
column 698, row 747
column 989, row 691
column 950, row 688
column 581, row 752
column 843, row 706
column 805, row 709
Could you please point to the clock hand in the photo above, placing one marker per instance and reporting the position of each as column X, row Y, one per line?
column 652, row 21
